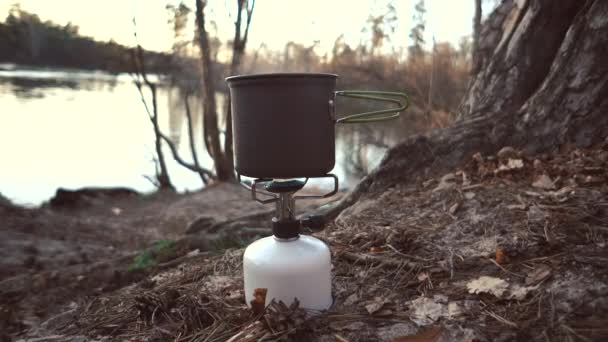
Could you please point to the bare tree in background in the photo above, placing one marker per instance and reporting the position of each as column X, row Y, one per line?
column 140, row 78
column 162, row 180
column 416, row 50
column 223, row 159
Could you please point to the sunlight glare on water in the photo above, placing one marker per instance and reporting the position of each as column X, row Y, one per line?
column 94, row 133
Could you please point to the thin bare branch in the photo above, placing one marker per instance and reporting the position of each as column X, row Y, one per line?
column 137, row 58
column 249, row 15
column 203, row 173
column 184, row 163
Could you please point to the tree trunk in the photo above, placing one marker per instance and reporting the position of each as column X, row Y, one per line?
column 476, row 63
column 530, row 38
column 210, row 125
column 164, row 182
column 543, row 85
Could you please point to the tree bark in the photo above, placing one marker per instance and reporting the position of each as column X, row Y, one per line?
column 544, row 86
column 532, row 33
column 210, row 125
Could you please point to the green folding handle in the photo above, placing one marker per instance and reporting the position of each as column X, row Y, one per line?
column 377, row 115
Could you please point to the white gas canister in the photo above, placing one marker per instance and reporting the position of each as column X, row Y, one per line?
column 296, row 268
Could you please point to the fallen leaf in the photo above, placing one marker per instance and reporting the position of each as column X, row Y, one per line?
column 544, row 182
column 446, row 182
column 426, row 311
column 422, row 276
column 258, row 304
column 428, row 335
column 448, row 177
column 376, row 249
column 511, row 165
column 507, row 152
column 478, row 157
column 375, row 306
column 501, row 256
column 236, row 294
column 491, row 285
column 499, row 288
column 454, row 310
column 193, row 253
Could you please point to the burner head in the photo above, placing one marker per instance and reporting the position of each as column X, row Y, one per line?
column 278, row 187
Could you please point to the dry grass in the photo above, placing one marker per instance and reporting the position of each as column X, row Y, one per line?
column 411, row 246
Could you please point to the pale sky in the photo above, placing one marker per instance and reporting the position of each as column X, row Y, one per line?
column 275, row 22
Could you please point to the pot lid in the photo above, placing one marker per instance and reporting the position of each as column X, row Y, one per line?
column 281, row 75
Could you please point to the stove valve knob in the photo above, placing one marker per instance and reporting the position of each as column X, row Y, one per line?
column 314, row 222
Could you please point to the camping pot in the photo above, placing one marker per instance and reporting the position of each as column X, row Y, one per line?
column 283, row 123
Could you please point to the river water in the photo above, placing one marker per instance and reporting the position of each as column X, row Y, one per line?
column 71, row 129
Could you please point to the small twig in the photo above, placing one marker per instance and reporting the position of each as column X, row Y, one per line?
column 506, row 270
column 182, row 259
column 383, row 262
column 152, row 180
column 542, row 258
column 501, row 319
column 407, row 255
column 182, row 162
column 451, row 264
column 204, row 177
column 546, row 230
column 573, row 332
column 340, row 338
column 471, row 187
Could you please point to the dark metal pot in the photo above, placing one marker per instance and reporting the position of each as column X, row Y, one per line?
column 283, row 123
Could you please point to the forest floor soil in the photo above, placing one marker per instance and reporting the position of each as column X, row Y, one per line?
column 505, row 247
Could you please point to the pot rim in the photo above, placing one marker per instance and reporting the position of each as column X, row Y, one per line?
column 281, row 75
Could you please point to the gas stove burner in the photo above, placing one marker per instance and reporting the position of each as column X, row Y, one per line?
column 284, row 128
column 289, row 265
column 277, row 187
column 272, row 188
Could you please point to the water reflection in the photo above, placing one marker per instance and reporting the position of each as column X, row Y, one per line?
column 31, row 83
column 73, row 129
